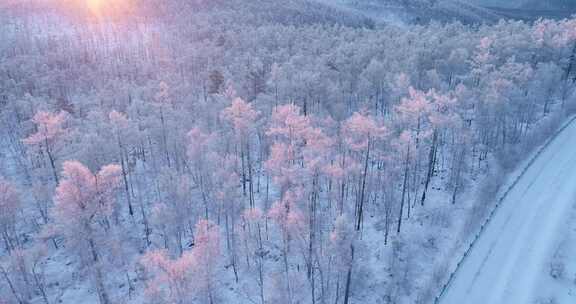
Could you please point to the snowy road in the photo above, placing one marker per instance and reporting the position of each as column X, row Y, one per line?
column 516, row 246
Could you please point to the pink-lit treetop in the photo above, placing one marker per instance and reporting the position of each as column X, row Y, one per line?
column 252, row 215
column 299, row 146
column 555, row 33
column 162, row 97
column 360, row 129
column 288, row 125
column 286, row 213
column 118, row 119
column 171, row 279
column 241, row 115
column 207, row 242
column 281, row 155
column 49, row 128
column 414, row 107
column 189, row 276
column 444, row 110
column 82, row 194
column 227, row 178
column 317, row 150
column 483, row 58
column 422, row 112
column 341, row 238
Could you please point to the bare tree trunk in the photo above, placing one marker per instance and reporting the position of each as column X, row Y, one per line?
column 11, row 286
column 164, row 137
column 431, row 161
column 260, row 265
column 127, row 187
column 387, row 212
column 40, row 284
column 403, row 190
column 99, row 280
column 458, row 175
column 53, row 165
column 337, row 296
column 363, row 189
column 230, row 242
column 250, row 175
column 286, row 267
column 349, row 276
column 243, row 163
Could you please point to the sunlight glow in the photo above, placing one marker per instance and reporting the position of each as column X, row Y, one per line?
column 108, row 8
column 95, row 6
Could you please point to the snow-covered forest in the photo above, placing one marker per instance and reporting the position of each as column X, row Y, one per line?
column 258, row 151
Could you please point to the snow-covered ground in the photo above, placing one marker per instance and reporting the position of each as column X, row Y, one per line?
column 557, row 282
column 512, row 258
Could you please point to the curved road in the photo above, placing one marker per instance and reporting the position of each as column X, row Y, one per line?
column 516, row 246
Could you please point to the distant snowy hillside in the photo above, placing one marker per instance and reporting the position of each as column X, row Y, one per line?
column 421, row 11
column 293, row 12
column 499, row 3
column 529, row 4
column 552, row 4
column 530, row 10
column 466, row 11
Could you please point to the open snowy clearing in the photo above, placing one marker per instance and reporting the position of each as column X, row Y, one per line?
column 516, row 247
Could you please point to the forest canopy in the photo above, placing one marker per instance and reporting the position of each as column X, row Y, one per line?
column 235, row 151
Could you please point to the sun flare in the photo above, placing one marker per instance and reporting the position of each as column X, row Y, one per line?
column 95, row 6
column 107, row 8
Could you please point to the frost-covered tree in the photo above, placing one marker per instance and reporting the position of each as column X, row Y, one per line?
column 121, row 129
column 23, row 270
column 169, row 281
column 201, row 158
column 192, row 276
column 252, row 245
column 10, row 208
column 361, row 132
column 83, row 204
column 289, row 219
column 48, row 138
column 242, row 118
column 174, row 215
column 343, row 241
